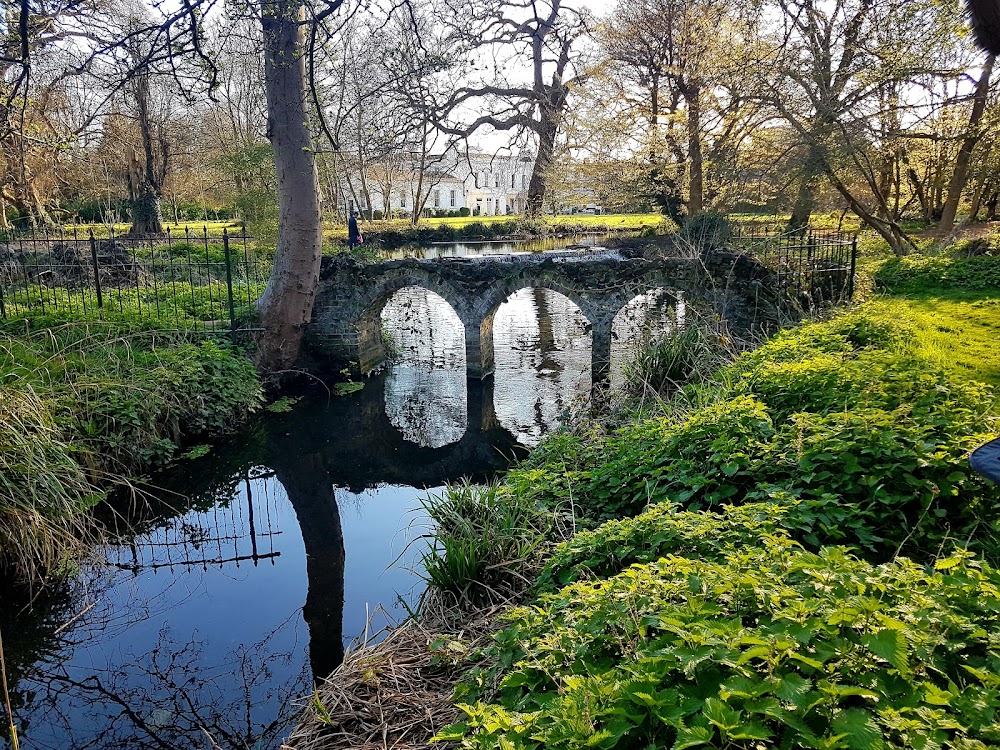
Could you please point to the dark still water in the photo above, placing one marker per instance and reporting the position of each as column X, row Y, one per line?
column 252, row 568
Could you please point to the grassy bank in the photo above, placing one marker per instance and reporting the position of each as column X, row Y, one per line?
column 336, row 230
column 799, row 556
column 86, row 408
column 792, row 553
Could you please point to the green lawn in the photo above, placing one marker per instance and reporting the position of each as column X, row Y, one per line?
column 957, row 330
column 213, row 228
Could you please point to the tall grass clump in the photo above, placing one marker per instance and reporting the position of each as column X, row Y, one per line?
column 83, row 409
column 43, row 488
column 486, row 543
column 663, row 363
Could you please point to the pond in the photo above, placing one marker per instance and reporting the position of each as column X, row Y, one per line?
column 499, row 247
column 220, row 595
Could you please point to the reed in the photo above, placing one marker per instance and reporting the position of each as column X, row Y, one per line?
column 486, row 542
column 6, row 697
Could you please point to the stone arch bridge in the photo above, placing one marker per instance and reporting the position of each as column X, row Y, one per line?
column 346, row 329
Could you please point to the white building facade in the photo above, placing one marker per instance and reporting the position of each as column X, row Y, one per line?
column 485, row 184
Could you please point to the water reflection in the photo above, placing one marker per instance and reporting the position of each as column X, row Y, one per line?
column 242, row 579
column 542, row 348
column 223, row 594
column 497, row 247
column 425, row 390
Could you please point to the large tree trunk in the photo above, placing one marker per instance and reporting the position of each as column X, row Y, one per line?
column 805, row 202
column 4, row 222
column 286, row 306
column 146, row 179
column 961, row 174
column 549, row 117
column 538, row 183
column 805, row 199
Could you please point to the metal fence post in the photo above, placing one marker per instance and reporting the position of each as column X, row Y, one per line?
column 229, row 282
column 854, row 263
column 97, row 270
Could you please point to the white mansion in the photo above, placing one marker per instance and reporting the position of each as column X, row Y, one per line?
column 486, row 184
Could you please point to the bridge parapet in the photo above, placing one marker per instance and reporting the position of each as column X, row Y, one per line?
column 346, row 327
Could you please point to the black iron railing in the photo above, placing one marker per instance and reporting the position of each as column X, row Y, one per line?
column 816, row 267
column 182, row 280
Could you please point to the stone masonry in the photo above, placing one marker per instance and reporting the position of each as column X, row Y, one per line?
column 346, row 330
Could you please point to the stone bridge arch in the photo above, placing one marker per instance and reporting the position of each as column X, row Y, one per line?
column 347, row 328
column 479, row 348
column 365, row 310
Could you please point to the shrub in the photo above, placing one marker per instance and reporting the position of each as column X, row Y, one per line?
column 772, row 647
column 918, row 273
column 158, row 397
column 705, row 231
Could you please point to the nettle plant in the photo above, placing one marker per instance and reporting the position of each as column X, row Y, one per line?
column 862, row 441
column 768, row 646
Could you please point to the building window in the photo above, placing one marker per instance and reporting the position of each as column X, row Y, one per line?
column 524, row 182
column 452, row 199
column 512, row 177
column 402, row 200
column 437, row 199
column 496, row 180
column 489, row 206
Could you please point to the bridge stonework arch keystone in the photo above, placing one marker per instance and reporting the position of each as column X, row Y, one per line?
column 346, row 329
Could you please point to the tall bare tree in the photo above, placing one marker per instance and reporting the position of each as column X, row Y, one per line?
column 285, row 307
column 545, row 36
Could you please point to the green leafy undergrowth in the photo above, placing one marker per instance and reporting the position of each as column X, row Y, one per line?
column 841, row 421
column 920, row 273
column 763, row 647
column 661, row 530
column 141, row 416
column 89, row 408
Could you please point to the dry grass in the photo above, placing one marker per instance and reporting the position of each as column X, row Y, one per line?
column 396, row 694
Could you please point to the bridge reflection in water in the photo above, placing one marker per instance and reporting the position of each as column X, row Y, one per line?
column 252, row 568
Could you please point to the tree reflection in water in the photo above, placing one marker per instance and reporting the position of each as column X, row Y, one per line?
column 179, row 695
column 226, row 591
column 542, row 348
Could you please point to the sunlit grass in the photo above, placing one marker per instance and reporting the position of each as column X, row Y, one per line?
column 956, row 330
column 102, row 231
